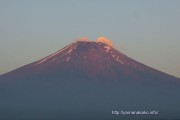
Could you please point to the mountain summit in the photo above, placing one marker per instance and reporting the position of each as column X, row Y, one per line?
column 87, row 80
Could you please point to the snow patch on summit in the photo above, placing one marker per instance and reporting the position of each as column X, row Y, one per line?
column 53, row 59
column 107, row 48
column 68, row 59
column 46, row 58
column 117, row 58
column 69, row 51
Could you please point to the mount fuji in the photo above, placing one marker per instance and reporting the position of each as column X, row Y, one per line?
column 88, row 80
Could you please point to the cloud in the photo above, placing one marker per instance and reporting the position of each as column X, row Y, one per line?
column 99, row 39
column 104, row 40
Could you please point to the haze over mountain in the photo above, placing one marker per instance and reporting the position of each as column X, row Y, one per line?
column 87, row 80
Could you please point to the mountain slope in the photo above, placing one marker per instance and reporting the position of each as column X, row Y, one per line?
column 87, row 80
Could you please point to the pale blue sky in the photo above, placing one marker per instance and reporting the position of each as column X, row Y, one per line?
column 147, row 31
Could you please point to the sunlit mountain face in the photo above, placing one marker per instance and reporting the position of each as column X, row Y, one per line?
column 88, row 80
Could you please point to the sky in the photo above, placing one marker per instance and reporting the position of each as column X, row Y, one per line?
column 147, row 31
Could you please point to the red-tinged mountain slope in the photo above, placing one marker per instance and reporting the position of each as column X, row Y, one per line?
column 94, row 59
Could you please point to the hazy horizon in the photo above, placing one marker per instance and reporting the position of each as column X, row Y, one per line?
column 147, row 31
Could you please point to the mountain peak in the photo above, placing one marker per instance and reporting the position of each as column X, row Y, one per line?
column 93, row 58
column 98, row 40
column 77, row 49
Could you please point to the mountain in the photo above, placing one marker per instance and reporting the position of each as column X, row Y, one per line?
column 88, row 80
